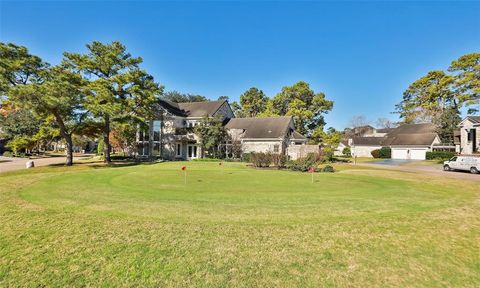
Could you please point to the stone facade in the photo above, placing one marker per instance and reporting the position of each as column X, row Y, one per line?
column 469, row 136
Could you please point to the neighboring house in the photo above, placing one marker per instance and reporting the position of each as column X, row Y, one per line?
column 412, row 141
column 363, row 146
column 408, row 141
column 467, row 139
column 345, row 143
column 170, row 135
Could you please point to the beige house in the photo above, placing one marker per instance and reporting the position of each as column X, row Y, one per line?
column 467, row 139
column 171, row 134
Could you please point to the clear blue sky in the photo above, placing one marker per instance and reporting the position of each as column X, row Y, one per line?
column 361, row 54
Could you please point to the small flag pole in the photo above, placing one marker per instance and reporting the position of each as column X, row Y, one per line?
column 184, row 169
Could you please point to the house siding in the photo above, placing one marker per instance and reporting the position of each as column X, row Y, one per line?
column 466, row 147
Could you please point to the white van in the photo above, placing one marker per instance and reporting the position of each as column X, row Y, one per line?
column 466, row 163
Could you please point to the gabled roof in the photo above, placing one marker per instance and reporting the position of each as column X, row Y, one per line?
column 385, row 130
column 409, row 134
column 192, row 109
column 422, row 139
column 368, row 141
column 201, row 109
column 412, row 134
column 474, row 119
column 261, row 128
column 297, row 136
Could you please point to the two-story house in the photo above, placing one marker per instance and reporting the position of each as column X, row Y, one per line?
column 467, row 139
column 170, row 135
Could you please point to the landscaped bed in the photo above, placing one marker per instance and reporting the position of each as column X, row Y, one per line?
column 231, row 225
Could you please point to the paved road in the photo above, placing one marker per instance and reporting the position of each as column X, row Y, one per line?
column 427, row 169
column 11, row 164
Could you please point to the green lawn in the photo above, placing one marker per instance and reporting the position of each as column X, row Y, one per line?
column 236, row 226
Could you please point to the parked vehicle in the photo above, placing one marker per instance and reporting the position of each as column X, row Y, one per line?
column 466, row 163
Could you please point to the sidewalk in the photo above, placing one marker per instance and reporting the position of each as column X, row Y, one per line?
column 13, row 163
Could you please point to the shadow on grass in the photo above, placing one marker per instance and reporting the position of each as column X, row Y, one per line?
column 101, row 164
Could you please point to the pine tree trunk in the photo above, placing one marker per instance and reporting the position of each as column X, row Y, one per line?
column 68, row 140
column 106, row 140
column 67, row 137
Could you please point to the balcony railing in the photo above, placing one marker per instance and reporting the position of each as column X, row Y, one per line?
column 184, row 131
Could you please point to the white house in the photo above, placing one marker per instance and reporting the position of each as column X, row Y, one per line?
column 468, row 138
column 408, row 141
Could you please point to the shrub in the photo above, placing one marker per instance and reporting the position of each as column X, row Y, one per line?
column 384, row 152
column 303, row 164
column 261, row 159
column 375, row 153
column 439, row 155
column 246, row 157
column 100, row 146
column 8, row 154
column 328, row 168
column 327, row 155
column 279, row 160
column 347, row 152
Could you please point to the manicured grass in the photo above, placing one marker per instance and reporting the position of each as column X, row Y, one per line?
column 236, row 226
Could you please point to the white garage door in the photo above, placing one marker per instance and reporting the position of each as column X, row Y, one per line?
column 399, row 153
column 409, row 153
column 418, row 154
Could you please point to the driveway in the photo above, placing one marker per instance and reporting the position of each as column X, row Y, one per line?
column 434, row 169
column 11, row 164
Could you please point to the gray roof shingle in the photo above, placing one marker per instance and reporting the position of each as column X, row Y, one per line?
column 257, row 128
column 368, row 141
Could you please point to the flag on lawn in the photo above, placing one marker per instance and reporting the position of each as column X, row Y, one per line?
column 311, row 170
column 184, row 168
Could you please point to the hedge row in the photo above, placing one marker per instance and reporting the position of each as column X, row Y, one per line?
column 440, row 155
column 263, row 160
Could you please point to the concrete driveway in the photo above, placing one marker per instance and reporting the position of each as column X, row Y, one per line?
column 436, row 169
column 12, row 164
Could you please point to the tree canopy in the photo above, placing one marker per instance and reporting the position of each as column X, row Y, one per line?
column 306, row 106
column 253, row 102
column 117, row 88
column 59, row 97
column 439, row 96
column 178, row 97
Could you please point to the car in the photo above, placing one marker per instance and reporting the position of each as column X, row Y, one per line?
column 463, row 162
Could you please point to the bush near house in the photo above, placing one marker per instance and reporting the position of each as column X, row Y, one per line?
column 261, row 160
column 384, row 153
column 279, row 160
column 439, row 155
column 305, row 163
column 246, row 157
column 328, row 168
column 347, row 152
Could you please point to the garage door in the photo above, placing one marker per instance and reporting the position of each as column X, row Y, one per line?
column 399, row 153
column 418, row 154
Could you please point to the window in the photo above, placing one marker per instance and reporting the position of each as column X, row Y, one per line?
column 179, row 149
column 156, row 130
column 470, row 135
column 276, row 148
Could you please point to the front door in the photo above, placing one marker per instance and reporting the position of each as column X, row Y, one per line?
column 192, row 152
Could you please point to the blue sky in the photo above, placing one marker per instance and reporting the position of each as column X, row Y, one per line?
column 361, row 54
